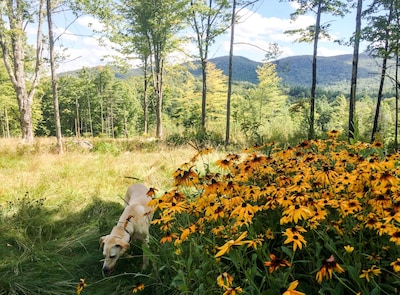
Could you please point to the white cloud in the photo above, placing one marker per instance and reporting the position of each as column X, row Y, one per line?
column 294, row 5
column 255, row 32
column 91, row 23
column 324, row 51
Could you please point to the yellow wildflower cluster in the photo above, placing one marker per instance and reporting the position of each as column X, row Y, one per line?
column 335, row 199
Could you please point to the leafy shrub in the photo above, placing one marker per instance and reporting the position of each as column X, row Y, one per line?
column 319, row 218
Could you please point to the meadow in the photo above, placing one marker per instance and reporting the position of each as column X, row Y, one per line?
column 53, row 210
column 320, row 217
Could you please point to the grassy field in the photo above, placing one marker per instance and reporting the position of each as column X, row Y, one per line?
column 53, row 209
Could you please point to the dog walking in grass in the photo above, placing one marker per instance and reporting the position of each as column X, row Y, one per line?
column 133, row 224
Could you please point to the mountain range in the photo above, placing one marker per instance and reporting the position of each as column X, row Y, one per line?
column 333, row 72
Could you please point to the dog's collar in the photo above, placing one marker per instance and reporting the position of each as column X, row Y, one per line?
column 129, row 234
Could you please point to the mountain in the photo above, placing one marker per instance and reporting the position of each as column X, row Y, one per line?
column 243, row 69
column 332, row 72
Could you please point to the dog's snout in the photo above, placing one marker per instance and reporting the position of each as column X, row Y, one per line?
column 107, row 271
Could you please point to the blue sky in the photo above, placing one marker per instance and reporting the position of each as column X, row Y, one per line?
column 264, row 23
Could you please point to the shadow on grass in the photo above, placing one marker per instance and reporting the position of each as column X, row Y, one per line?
column 42, row 253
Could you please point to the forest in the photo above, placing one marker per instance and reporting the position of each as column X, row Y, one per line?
column 166, row 100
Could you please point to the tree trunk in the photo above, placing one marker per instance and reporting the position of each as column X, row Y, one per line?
column 157, row 70
column 353, row 88
column 383, row 75
column 396, row 128
column 204, row 94
column 54, row 79
column 159, row 93
column 311, row 132
column 145, row 103
column 396, row 79
column 7, row 126
column 228, row 101
column 77, row 121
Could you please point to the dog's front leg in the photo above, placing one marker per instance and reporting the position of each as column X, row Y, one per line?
column 145, row 248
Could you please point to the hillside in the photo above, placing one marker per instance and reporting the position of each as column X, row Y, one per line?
column 243, row 69
column 332, row 72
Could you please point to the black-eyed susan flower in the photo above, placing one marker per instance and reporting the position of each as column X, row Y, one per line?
column 187, row 231
column 395, row 236
column 233, row 291
column 185, row 177
column 138, row 287
column 224, row 164
column 396, row 265
column 333, row 134
column 383, row 228
column 295, row 213
column 175, row 207
column 80, row 286
column 374, row 257
column 269, row 234
column 292, row 289
column 326, row 175
column 293, row 236
column 245, row 211
column 225, row 280
column 151, row 192
column 327, row 268
column 276, row 263
column 228, row 245
column 168, row 238
column 370, row 273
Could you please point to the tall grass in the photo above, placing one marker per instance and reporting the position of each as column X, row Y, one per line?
column 53, row 209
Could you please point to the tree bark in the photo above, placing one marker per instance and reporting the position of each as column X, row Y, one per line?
column 383, row 75
column 353, row 88
column 54, row 79
column 228, row 101
column 145, row 91
column 311, row 132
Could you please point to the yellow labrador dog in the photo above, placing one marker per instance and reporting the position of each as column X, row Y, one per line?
column 133, row 224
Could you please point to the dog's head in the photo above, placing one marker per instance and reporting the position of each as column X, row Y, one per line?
column 113, row 247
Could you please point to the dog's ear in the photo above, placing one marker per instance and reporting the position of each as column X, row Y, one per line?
column 101, row 241
column 124, row 245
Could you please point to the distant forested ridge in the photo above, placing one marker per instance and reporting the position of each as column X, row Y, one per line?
column 333, row 72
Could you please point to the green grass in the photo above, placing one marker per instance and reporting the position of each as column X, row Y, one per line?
column 54, row 209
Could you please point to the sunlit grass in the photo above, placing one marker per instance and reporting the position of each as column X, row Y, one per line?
column 53, row 209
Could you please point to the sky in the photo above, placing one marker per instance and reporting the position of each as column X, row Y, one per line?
column 260, row 25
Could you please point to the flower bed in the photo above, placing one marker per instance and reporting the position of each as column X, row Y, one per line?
column 319, row 218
